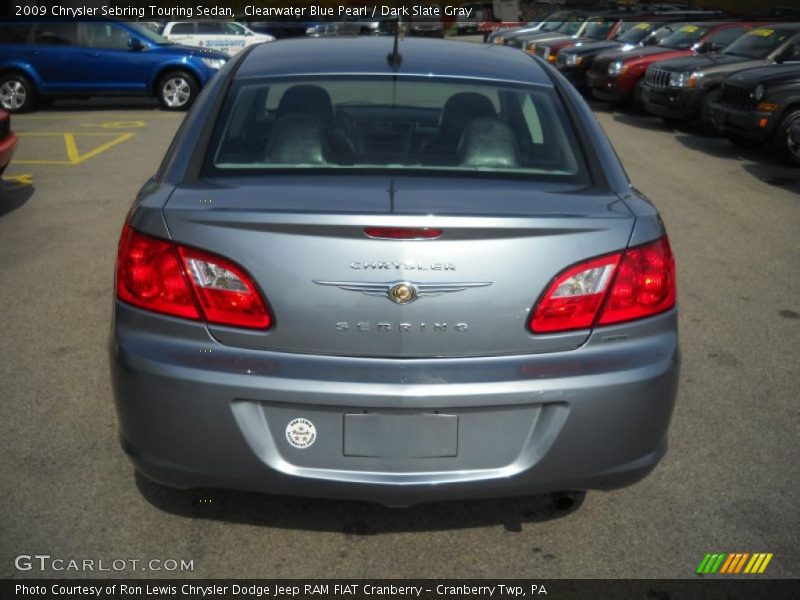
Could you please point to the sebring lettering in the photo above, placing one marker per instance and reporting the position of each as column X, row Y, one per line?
column 363, row 326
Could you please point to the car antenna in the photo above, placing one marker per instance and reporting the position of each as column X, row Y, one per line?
column 395, row 59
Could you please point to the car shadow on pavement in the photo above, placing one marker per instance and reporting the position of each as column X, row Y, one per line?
column 13, row 195
column 759, row 162
column 347, row 516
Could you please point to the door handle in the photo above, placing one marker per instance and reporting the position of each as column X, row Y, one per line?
column 92, row 54
column 32, row 52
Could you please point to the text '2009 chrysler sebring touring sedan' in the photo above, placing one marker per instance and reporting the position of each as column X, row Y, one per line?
column 393, row 276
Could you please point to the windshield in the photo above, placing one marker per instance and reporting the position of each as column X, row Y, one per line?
column 381, row 124
column 758, row 43
column 149, row 34
column 598, row 30
column 551, row 26
column 570, row 27
column 636, row 34
column 686, row 37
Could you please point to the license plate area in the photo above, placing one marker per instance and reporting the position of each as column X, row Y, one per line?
column 400, row 436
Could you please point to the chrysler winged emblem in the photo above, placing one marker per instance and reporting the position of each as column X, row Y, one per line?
column 402, row 292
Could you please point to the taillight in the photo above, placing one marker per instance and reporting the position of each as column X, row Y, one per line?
column 644, row 284
column 226, row 293
column 636, row 283
column 150, row 276
column 167, row 278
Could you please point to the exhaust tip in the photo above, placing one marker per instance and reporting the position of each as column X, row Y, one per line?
column 564, row 501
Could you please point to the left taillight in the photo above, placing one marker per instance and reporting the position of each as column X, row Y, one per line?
column 164, row 277
column 620, row 287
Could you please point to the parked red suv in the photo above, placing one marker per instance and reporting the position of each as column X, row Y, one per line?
column 616, row 76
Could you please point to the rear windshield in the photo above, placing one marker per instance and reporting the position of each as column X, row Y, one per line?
column 395, row 124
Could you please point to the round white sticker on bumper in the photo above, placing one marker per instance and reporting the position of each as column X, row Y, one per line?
column 301, row 433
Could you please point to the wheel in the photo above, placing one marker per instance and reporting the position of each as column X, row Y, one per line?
column 787, row 138
column 16, row 93
column 177, row 90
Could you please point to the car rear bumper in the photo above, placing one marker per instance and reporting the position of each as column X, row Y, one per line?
column 195, row 413
column 678, row 104
column 743, row 122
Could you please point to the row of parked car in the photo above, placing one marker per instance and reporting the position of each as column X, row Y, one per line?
column 737, row 78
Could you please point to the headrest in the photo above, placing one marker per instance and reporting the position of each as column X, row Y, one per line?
column 462, row 108
column 296, row 139
column 488, row 142
column 308, row 99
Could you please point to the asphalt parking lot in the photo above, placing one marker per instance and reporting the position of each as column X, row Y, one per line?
column 728, row 483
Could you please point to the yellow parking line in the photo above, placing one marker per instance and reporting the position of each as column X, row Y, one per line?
column 73, row 155
column 22, row 118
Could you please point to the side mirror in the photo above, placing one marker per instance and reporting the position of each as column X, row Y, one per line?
column 135, row 44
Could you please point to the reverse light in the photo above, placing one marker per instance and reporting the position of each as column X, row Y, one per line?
column 167, row 278
column 629, row 285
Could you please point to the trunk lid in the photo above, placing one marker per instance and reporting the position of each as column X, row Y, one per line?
column 326, row 281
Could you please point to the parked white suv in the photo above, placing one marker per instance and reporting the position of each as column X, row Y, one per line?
column 224, row 36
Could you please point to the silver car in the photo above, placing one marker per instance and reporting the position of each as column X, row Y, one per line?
column 393, row 276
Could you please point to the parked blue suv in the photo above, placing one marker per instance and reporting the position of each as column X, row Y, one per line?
column 42, row 61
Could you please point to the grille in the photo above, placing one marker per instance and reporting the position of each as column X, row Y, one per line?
column 737, row 96
column 657, row 78
column 5, row 127
column 600, row 66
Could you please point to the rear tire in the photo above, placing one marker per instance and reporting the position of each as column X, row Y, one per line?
column 17, row 94
column 177, row 90
column 787, row 138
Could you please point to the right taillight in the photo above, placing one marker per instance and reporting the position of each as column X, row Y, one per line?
column 629, row 285
column 164, row 277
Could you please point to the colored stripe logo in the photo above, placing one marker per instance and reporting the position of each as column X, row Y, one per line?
column 734, row 563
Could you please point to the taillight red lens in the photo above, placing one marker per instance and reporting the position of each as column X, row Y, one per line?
column 150, row 276
column 644, row 285
column 164, row 277
column 637, row 283
column 403, row 233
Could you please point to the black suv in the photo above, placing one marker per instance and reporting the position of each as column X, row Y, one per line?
column 762, row 105
column 684, row 88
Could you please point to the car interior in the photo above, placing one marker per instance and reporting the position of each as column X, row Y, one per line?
column 495, row 128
